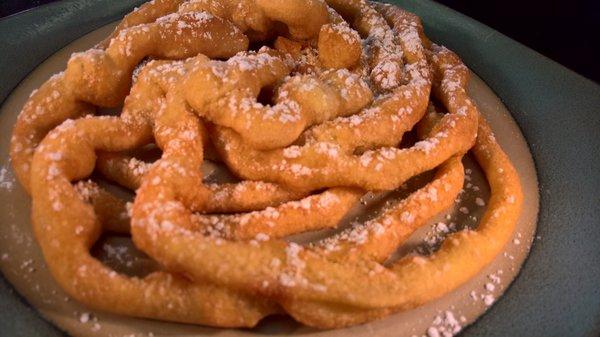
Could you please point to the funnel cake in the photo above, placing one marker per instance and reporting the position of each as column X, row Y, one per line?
column 310, row 105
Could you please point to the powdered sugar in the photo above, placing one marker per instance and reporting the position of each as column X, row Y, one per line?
column 445, row 325
column 7, row 181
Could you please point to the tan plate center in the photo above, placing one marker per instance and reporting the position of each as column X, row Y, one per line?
column 22, row 263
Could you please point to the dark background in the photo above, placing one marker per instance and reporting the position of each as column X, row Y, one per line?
column 566, row 31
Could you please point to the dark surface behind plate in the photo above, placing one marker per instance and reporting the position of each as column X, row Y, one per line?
column 558, row 292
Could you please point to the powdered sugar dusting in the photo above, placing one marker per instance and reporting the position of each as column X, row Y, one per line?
column 7, row 181
column 446, row 324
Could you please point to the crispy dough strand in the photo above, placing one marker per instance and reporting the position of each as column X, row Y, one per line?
column 312, row 125
column 315, row 212
column 328, row 149
column 428, row 278
column 60, row 158
column 304, row 275
column 257, row 18
column 244, row 196
column 378, row 238
column 321, row 164
column 103, row 77
column 230, row 97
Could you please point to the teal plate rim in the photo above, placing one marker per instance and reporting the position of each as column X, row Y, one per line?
column 557, row 292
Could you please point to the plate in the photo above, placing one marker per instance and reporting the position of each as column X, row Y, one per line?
column 65, row 22
column 22, row 263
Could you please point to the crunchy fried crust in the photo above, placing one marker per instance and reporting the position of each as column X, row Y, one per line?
column 309, row 129
column 102, row 77
column 163, row 226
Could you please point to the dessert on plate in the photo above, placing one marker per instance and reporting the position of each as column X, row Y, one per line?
column 308, row 106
